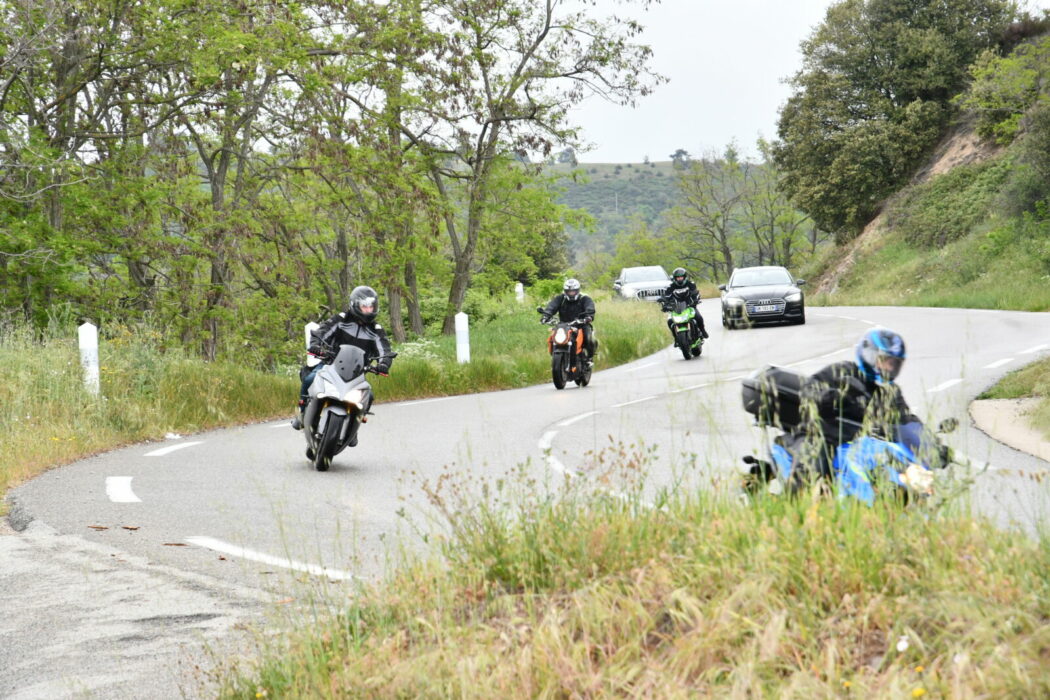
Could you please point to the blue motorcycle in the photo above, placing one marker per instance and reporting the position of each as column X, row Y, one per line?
column 900, row 463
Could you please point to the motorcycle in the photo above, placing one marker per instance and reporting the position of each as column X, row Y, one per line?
column 900, row 463
column 340, row 398
column 684, row 326
column 569, row 360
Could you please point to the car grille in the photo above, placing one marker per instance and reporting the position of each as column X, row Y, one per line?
column 765, row 304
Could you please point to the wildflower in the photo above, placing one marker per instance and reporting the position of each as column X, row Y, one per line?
column 846, row 684
column 902, row 643
column 920, row 669
column 918, row 692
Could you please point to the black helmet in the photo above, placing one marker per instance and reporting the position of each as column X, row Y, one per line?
column 680, row 277
column 880, row 354
column 571, row 288
column 364, row 304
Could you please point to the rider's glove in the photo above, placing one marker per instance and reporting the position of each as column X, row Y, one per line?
column 383, row 368
column 545, row 319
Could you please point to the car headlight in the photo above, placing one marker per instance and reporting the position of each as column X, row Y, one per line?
column 560, row 336
column 355, row 396
column 793, row 297
column 734, row 301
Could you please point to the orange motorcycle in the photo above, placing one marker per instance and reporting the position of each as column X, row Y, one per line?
column 569, row 360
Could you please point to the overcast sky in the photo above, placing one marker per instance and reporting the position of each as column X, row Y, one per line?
column 726, row 61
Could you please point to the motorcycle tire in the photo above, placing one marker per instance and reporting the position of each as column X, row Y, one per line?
column 698, row 348
column 558, row 371
column 326, row 445
column 584, row 377
column 683, row 344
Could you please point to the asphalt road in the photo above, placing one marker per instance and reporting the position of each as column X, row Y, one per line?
column 125, row 564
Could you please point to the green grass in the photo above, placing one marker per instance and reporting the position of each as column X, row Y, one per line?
column 1032, row 381
column 579, row 595
column 48, row 419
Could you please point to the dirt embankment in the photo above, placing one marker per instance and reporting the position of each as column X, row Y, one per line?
column 961, row 146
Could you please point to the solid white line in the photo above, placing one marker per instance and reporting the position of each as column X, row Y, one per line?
column 647, row 364
column 576, row 419
column 944, row 385
column 234, row 550
column 1037, row 348
column 171, row 448
column 547, row 439
column 629, row 403
column 118, row 488
column 999, row 363
column 555, row 464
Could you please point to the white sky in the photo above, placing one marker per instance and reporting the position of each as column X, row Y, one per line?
column 726, row 60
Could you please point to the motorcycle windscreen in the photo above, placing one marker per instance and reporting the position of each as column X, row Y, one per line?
column 350, row 362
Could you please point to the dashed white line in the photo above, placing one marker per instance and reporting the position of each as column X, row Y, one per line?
column 944, row 385
column 576, row 419
column 691, row 388
column 440, row 398
column 171, row 448
column 1037, row 348
column 631, row 403
column 647, row 364
column 234, row 550
column 118, row 488
column 999, row 363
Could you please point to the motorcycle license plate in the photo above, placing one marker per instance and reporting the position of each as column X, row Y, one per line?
column 765, row 307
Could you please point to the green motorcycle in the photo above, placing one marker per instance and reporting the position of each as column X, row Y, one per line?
column 684, row 327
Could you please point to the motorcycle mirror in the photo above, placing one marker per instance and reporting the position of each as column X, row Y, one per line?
column 948, row 425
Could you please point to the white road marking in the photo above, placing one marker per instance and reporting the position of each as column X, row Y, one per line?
column 944, row 385
column 739, row 376
column 440, row 398
column 630, row 403
column 836, row 352
column 576, row 419
column 999, row 363
column 234, row 550
column 647, row 364
column 1037, row 348
column 690, row 388
column 171, row 448
column 285, row 424
column 547, row 439
column 555, row 464
column 118, row 488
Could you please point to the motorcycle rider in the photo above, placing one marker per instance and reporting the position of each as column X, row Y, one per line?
column 682, row 286
column 355, row 326
column 570, row 305
column 864, row 393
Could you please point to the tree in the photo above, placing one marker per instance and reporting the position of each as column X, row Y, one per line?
column 872, row 97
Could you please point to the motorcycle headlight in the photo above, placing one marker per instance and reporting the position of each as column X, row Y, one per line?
column 355, row 396
column 561, row 336
column 918, row 479
column 793, row 297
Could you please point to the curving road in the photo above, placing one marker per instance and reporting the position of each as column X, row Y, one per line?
column 129, row 559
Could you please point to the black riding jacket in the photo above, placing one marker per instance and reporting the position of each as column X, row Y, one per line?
column 842, row 390
column 570, row 309
column 687, row 290
column 346, row 329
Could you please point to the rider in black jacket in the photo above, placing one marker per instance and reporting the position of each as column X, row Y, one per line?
column 682, row 287
column 570, row 305
column 355, row 326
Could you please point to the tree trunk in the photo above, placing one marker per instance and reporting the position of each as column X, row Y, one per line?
column 415, row 316
column 397, row 323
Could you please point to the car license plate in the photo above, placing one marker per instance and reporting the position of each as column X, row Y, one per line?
column 765, row 307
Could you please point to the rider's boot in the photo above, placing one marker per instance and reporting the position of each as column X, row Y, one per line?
column 297, row 422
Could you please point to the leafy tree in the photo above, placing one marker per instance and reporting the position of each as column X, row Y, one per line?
column 872, row 98
column 1004, row 88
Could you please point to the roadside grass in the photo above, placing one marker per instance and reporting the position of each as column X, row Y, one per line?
column 48, row 419
column 1032, row 381
column 573, row 593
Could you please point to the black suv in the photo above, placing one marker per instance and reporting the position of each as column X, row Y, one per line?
column 756, row 294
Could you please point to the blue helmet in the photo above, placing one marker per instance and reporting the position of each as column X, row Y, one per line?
column 880, row 355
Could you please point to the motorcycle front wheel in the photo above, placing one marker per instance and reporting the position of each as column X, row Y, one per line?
column 326, row 445
column 558, row 370
column 683, row 344
column 583, row 377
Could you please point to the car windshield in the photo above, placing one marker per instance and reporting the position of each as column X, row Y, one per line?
column 644, row 274
column 758, row 278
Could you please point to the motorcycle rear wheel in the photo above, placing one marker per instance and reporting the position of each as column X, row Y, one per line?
column 558, row 371
column 326, row 446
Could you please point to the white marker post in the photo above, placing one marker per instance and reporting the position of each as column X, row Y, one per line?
column 519, row 292
column 462, row 338
column 89, row 356
column 308, row 329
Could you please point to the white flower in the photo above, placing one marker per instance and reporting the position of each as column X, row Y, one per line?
column 902, row 643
